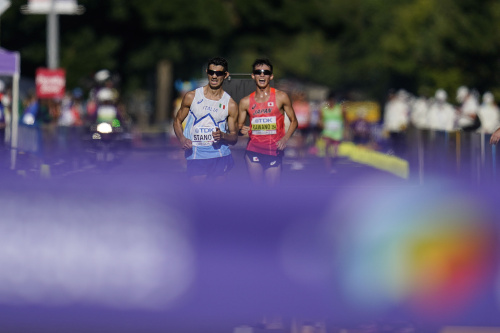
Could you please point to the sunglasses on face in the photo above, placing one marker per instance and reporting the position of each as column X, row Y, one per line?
column 262, row 71
column 217, row 73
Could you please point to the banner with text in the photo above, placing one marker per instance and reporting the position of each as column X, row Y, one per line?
column 50, row 83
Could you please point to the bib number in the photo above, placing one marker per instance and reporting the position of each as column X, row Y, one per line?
column 264, row 125
column 202, row 136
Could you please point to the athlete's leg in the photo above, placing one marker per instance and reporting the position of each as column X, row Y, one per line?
column 328, row 155
column 333, row 158
column 255, row 171
column 222, row 168
column 273, row 175
column 331, row 151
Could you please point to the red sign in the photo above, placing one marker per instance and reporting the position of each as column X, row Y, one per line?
column 50, row 83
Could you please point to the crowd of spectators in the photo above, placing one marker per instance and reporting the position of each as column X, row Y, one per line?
column 53, row 127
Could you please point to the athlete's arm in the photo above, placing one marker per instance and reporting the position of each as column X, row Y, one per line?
column 495, row 137
column 232, row 136
column 286, row 105
column 242, row 115
column 179, row 118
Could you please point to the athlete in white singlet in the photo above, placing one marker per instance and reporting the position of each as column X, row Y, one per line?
column 210, row 115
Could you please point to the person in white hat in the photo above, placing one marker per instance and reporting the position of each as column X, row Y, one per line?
column 468, row 108
column 442, row 115
column 489, row 114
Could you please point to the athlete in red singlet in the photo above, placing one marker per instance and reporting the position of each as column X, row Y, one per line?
column 267, row 125
column 266, row 108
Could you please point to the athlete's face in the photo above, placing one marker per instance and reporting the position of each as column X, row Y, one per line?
column 216, row 76
column 262, row 75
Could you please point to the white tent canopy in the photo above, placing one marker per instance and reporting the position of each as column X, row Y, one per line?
column 10, row 66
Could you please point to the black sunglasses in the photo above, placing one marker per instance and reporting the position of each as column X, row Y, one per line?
column 262, row 71
column 217, row 73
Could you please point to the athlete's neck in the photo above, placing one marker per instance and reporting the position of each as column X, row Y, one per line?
column 262, row 93
column 213, row 93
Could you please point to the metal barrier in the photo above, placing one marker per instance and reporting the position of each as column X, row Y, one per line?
column 460, row 155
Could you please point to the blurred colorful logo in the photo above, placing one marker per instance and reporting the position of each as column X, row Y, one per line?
column 429, row 251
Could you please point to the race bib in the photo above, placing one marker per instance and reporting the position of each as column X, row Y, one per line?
column 264, row 125
column 202, row 136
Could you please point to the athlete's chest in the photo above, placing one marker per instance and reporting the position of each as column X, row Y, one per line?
column 204, row 105
column 217, row 110
column 263, row 109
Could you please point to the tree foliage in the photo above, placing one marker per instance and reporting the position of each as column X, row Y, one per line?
column 367, row 45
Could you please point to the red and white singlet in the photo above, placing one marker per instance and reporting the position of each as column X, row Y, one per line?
column 267, row 125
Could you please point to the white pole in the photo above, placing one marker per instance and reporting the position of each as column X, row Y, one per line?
column 52, row 37
column 15, row 120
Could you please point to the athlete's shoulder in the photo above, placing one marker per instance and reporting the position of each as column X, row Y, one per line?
column 232, row 103
column 191, row 94
column 189, row 97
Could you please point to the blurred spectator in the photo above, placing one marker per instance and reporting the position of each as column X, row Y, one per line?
column 5, row 101
column 78, row 106
column 31, row 110
column 107, row 110
column 442, row 115
column 68, row 117
column 332, row 120
column 314, row 125
column 419, row 113
column 2, row 115
column 67, row 129
column 467, row 109
column 361, row 129
column 302, row 110
column 489, row 114
column 102, row 79
column 396, row 119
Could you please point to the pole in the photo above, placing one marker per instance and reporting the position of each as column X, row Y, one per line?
column 15, row 120
column 163, row 94
column 52, row 37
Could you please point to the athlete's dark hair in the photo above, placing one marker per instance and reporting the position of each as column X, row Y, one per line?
column 263, row 61
column 218, row 61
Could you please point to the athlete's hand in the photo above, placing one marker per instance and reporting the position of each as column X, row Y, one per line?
column 217, row 134
column 244, row 130
column 186, row 144
column 495, row 137
column 281, row 144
